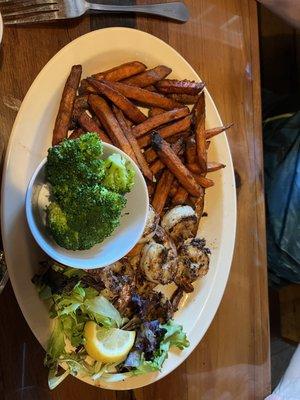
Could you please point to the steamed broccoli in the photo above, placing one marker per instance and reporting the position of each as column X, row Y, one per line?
column 119, row 174
column 84, row 211
column 92, row 216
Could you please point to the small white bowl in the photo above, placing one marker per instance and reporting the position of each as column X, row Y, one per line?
column 122, row 240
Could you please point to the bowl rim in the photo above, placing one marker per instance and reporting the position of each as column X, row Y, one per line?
column 69, row 259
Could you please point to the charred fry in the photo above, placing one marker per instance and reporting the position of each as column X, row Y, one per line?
column 66, row 106
column 89, row 125
column 129, row 109
column 111, row 125
column 158, row 120
column 158, row 165
column 182, row 87
column 174, row 164
column 122, row 71
column 149, row 77
column 162, row 190
column 145, row 97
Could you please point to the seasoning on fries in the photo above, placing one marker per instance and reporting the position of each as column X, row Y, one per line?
column 182, row 87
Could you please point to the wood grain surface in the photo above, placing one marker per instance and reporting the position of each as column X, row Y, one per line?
column 220, row 41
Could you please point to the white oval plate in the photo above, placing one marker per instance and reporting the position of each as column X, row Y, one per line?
column 29, row 141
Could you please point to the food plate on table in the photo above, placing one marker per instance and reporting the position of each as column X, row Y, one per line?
column 32, row 135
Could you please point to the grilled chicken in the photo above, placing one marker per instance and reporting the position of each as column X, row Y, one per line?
column 181, row 223
column 193, row 262
column 158, row 260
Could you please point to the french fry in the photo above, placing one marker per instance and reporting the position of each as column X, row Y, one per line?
column 183, row 87
column 141, row 161
column 155, row 111
column 181, row 135
column 163, row 188
column 214, row 166
column 151, row 188
column 191, row 151
column 200, row 135
column 66, row 106
column 203, row 182
column 77, row 132
column 122, row 71
column 216, row 131
column 81, row 102
column 145, row 97
column 180, row 196
column 194, row 167
column 110, row 123
column 174, row 188
column 168, row 131
column 85, row 88
column 158, row 165
column 149, row 77
column 89, row 125
column 151, row 88
column 150, row 155
column 129, row 109
column 158, row 120
column 175, row 165
column 183, row 98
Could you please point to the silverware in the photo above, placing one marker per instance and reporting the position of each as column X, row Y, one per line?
column 30, row 11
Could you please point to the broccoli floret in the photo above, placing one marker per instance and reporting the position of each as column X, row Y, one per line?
column 74, row 162
column 84, row 211
column 58, row 224
column 80, row 228
column 119, row 174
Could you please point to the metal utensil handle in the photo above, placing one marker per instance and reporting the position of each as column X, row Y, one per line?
column 176, row 10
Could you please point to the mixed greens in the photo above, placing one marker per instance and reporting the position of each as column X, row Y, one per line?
column 74, row 301
column 87, row 192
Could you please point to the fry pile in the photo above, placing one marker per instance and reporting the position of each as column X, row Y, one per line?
column 169, row 144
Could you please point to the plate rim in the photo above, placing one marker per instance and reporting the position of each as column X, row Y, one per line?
column 215, row 298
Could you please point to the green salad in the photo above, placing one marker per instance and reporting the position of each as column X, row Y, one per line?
column 90, row 337
column 87, row 192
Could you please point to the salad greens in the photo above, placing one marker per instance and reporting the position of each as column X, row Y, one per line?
column 87, row 191
column 72, row 303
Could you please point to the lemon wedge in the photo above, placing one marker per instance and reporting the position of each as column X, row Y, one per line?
column 107, row 345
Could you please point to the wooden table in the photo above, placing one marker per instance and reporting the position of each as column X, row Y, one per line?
column 232, row 361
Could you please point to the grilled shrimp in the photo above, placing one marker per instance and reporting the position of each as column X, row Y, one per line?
column 158, row 260
column 193, row 262
column 181, row 223
column 151, row 225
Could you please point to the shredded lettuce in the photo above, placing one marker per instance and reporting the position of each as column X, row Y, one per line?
column 72, row 304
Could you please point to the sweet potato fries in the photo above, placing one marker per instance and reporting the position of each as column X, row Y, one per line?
column 169, row 145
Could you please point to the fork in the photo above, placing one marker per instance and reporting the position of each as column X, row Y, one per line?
column 30, row 11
